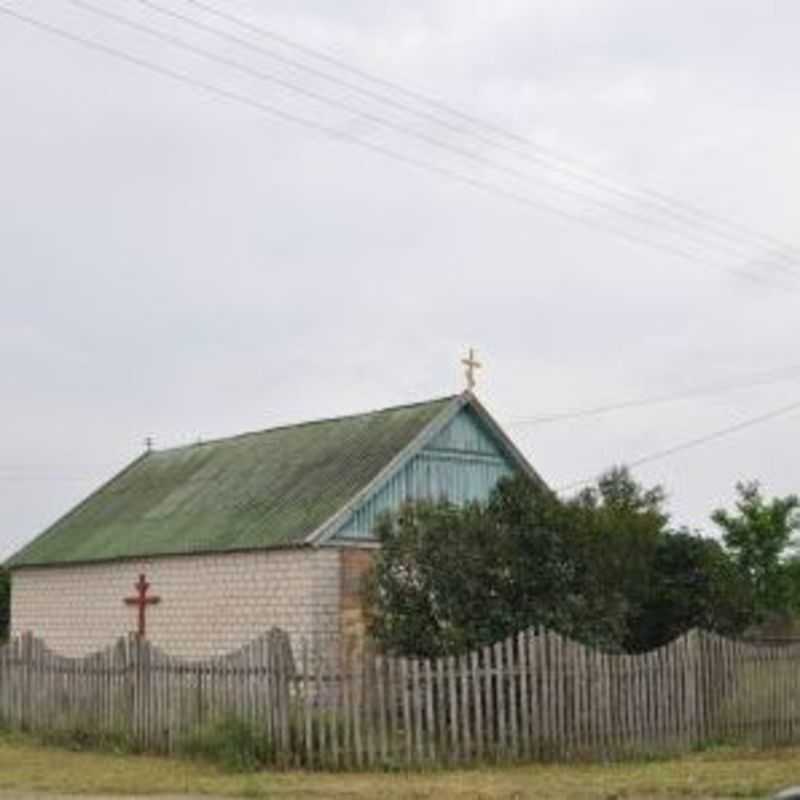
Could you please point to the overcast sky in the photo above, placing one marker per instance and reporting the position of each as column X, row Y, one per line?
column 181, row 265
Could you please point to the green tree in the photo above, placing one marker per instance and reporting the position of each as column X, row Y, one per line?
column 623, row 524
column 693, row 584
column 5, row 603
column 760, row 536
column 603, row 568
column 448, row 579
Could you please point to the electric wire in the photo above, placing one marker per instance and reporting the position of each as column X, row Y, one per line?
column 450, row 174
column 568, row 164
column 690, row 444
column 766, row 379
column 378, row 120
column 699, row 234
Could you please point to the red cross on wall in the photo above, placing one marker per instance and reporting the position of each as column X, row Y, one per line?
column 142, row 601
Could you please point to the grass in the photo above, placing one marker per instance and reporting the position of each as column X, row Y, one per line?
column 230, row 743
column 718, row 773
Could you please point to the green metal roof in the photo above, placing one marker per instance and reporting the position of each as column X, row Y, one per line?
column 258, row 490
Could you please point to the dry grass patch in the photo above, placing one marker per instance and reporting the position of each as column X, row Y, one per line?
column 27, row 767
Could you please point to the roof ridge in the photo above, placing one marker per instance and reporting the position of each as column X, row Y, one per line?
column 302, row 424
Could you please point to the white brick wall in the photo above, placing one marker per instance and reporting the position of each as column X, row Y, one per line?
column 209, row 603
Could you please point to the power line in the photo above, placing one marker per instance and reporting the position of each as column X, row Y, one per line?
column 376, row 119
column 453, row 175
column 564, row 164
column 594, row 411
column 692, row 443
column 693, row 230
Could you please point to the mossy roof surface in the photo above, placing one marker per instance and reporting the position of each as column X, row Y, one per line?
column 254, row 491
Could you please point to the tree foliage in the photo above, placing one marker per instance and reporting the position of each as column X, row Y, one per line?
column 760, row 536
column 604, row 568
column 693, row 583
column 624, row 524
column 449, row 579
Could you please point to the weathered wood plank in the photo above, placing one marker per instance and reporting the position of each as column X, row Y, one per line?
column 406, row 710
column 488, row 701
column 348, row 756
column 524, row 693
column 500, row 700
column 512, row 692
column 394, row 707
column 442, row 728
column 368, row 708
column 477, row 703
column 466, row 717
column 430, row 711
column 452, row 706
column 417, row 710
column 382, row 710
column 357, row 695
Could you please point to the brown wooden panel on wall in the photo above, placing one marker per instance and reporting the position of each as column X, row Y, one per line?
column 355, row 563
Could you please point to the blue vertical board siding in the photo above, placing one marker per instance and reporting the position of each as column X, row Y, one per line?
column 466, row 433
column 462, row 463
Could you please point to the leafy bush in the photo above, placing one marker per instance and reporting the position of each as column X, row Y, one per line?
column 603, row 568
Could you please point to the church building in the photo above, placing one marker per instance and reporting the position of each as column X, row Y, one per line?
column 204, row 547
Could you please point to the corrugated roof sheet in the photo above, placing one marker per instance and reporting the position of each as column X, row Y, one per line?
column 257, row 490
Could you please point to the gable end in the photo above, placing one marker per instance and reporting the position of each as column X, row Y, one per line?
column 461, row 461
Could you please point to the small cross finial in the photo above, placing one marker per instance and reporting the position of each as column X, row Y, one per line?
column 471, row 363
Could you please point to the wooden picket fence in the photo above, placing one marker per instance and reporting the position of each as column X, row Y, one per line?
column 536, row 695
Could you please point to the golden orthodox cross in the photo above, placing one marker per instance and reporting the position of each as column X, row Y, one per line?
column 471, row 363
column 142, row 601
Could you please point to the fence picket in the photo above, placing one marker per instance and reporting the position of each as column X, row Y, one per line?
column 357, row 704
column 394, row 710
column 338, row 679
column 488, row 701
column 452, row 705
column 500, row 700
column 512, row 671
column 320, row 708
column 416, row 703
column 406, row 709
column 522, row 666
column 347, row 713
column 477, row 703
column 368, row 707
column 430, row 712
column 466, row 733
column 380, row 679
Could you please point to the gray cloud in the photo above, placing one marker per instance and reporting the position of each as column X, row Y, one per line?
column 180, row 266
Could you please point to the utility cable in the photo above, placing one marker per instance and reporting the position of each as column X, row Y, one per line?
column 697, row 442
column 700, row 234
column 375, row 119
column 564, row 163
column 279, row 113
column 700, row 391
